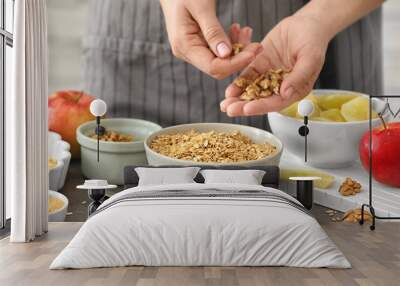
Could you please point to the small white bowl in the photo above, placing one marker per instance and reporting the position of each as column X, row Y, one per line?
column 55, row 174
column 59, row 150
column 330, row 144
column 58, row 215
column 255, row 134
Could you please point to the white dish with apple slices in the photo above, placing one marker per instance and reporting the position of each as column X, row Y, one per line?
column 330, row 144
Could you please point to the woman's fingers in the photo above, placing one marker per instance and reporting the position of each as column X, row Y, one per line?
column 226, row 102
column 303, row 76
column 234, row 32
column 265, row 105
column 245, row 36
column 240, row 35
column 218, row 68
column 233, row 106
column 211, row 28
column 233, row 91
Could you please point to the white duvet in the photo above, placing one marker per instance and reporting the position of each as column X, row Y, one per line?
column 200, row 231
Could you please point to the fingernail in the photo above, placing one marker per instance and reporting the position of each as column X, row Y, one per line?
column 223, row 50
column 288, row 93
column 222, row 106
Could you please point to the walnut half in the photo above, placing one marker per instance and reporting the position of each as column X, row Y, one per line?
column 349, row 187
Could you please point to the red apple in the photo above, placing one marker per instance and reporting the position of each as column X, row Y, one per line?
column 385, row 153
column 68, row 110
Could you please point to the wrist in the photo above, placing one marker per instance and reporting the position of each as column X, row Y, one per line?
column 335, row 15
column 316, row 11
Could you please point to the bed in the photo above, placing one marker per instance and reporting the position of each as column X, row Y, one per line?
column 201, row 224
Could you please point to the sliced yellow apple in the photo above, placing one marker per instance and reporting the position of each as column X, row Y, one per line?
column 356, row 109
column 291, row 110
column 332, row 115
column 319, row 118
column 334, row 101
column 325, row 182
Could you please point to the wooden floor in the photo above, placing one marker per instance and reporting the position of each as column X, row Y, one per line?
column 375, row 257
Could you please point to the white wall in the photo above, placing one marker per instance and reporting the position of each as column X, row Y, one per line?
column 391, row 45
column 66, row 24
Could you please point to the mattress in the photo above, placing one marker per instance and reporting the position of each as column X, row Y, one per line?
column 201, row 225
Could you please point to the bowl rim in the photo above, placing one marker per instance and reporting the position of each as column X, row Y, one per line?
column 81, row 135
column 63, row 198
column 185, row 162
column 55, row 135
column 57, row 139
column 320, row 92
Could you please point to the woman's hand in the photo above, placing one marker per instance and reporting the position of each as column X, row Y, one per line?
column 197, row 37
column 297, row 44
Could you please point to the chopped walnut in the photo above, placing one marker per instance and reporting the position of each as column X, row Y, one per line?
column 263, row 86
column 237, row 48
column 113, row 136
column 211, row 147
column 349, row 187
column 241, row 82
column 355, row 216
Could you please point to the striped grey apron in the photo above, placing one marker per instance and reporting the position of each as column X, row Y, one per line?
column 128, row 60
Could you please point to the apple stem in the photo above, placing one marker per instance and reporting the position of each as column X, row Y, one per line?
column 382, row 120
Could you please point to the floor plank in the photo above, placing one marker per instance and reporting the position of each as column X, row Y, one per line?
column 375, row 257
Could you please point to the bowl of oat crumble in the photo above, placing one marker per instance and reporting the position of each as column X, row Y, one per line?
column 121, row 145
column 213, row 144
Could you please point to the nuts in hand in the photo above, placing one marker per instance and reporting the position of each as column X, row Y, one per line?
column 350, row 187
column 263, row 86
column 237, row 48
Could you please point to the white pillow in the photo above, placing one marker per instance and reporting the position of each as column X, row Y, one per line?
column 165, row 176
column 248, row 177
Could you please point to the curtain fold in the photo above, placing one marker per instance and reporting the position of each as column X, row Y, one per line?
column 26, row 119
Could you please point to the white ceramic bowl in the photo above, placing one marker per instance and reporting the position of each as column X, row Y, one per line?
column 114, row 156
column 59, row 150
column 59, row 214
column 330, row 144
column 255, row 134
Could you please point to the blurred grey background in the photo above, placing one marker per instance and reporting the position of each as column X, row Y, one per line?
column 66, row 25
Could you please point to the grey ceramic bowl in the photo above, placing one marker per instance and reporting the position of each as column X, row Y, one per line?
column 114, row 156
column 255, row 134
